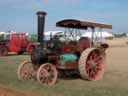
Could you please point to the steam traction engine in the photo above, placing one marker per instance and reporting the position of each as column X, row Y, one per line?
column 55, row 57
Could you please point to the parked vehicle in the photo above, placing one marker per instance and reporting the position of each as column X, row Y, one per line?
column 16, row 42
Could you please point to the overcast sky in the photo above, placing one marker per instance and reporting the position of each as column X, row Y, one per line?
column 20, row 15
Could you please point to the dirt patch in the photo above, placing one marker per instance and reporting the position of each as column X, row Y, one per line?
column 118, row 41
column 6, row 91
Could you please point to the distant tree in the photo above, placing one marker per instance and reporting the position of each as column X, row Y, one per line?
column 1, row 36
column 33, row 37
column 120, row 34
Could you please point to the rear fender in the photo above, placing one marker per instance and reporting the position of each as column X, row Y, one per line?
column 103, row 46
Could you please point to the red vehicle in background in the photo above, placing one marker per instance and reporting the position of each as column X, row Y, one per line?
column 16, row 42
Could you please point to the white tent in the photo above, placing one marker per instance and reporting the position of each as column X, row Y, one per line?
column 97, row 35
column 127, row 34
column 2, row 32
column 103, row 34
column 5, row 33
column 53, row 33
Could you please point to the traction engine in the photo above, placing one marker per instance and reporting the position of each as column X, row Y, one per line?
column 55, row 58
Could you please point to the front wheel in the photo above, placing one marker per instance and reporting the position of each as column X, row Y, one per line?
column 26, row 71
column 47, row 74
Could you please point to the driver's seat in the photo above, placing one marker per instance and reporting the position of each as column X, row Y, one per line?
column 83, row 44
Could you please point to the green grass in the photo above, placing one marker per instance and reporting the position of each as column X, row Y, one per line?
column 114, row 82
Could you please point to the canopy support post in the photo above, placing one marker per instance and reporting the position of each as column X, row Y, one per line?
column 93, row 30
column 100, row 30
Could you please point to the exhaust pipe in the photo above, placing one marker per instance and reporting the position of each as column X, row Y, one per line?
column 39, row 55
column 41, row 24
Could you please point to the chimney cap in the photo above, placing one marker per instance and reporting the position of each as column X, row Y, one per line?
column 41, row 13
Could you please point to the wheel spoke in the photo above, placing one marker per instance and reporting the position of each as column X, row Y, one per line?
column 99, row 62
column 44, row 79
column 88, row 71
column 98, row 58
column 91, row 57
column 89, row 62
column 88, row 67
column 94, row 55
column 92, row 74
column 100, row 66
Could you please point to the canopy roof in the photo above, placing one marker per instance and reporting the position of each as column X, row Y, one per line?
column 72, row 23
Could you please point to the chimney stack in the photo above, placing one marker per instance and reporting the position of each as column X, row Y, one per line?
column 41, row 24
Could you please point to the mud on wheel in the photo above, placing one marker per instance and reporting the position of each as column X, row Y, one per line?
column 26, row 71
column 91, row 64
column 47, row 74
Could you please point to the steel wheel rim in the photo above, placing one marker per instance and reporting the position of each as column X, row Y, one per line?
column 26, row 71
column 95, row 65
column 47, row 74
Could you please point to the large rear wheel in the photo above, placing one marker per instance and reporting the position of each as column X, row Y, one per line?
column 47, row 74
column 26, row 71
column 91, row 64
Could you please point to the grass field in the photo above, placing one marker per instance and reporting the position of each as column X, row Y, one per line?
column 114, row 83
